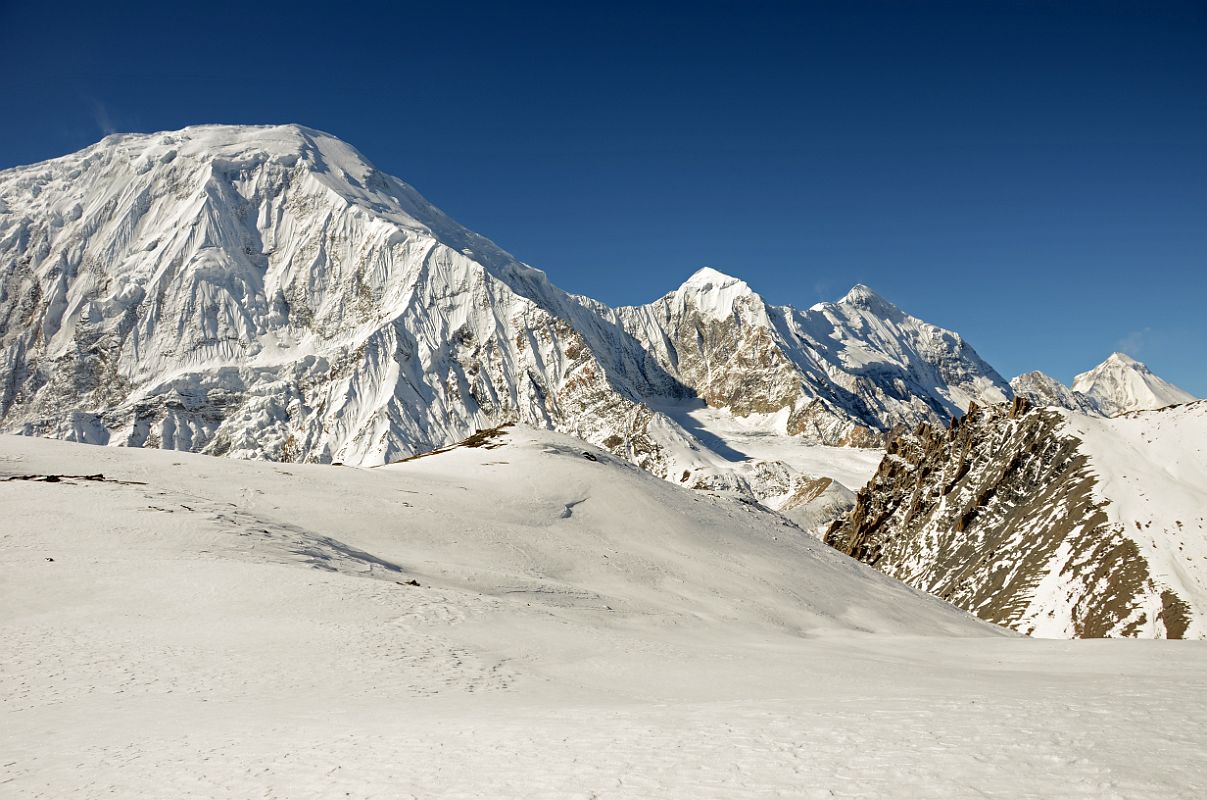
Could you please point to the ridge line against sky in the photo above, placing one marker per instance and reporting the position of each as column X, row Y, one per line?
column 1031, row 175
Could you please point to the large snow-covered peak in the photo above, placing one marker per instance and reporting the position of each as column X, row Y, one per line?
column 1121, row 384
column 267, row 292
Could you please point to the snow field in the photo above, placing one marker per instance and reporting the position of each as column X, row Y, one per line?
column 211, row 628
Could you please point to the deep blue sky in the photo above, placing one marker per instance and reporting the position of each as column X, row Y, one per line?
column 1031, row 174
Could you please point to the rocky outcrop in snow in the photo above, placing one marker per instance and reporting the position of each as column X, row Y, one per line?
column 1050, row 522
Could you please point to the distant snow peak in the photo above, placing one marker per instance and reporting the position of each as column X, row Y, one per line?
column 1123, row 358
column 1044, row 390
column 861, row 292
column 1118, row 385
column 707, row 277
column 1121, row 384
column 712, row 292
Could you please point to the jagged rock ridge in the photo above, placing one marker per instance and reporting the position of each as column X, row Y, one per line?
column 1049, row 522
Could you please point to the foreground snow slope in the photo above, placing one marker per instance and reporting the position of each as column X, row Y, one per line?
column 210, row 628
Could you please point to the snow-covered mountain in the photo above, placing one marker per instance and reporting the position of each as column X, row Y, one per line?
column 1052, row 522
column 1121, row 384
column 1116, row 386
column 265, row 292
column 837, row 373
column 1042, row 389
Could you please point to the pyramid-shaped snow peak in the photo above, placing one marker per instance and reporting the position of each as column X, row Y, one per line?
column 1121, row 384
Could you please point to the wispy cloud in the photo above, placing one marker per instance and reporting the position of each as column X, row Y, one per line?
column 1135, row 342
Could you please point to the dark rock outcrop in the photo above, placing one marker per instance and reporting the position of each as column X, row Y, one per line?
column 996, row 514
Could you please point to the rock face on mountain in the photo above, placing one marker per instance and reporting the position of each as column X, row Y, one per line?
column 265, row 292
column 1049, row 522
column 838, row 373
column 1044, row 390
column 1121, row 384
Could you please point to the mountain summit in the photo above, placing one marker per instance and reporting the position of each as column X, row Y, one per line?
column 1121, row 384
column 712, row 293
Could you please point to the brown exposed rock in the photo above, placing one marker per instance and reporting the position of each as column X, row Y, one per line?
column 983, row 512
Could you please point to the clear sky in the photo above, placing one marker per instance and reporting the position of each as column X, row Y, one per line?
column 1031, row 174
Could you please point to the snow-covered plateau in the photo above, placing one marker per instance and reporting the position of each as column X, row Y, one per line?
column 522, row 616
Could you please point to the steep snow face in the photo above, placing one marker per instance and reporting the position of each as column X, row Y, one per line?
column 893, row 367
column 1049, row 521
column 1044, row 390
column 1121, row 384
column 265, row 292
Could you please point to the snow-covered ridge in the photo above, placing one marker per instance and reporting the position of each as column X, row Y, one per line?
column 1052, row 522
column 1044, row 390
column 265, row 292
column 1151, row 475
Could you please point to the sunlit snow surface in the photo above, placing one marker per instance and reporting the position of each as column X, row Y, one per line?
column 1151, row 467
column 210, row 628
column 1121, row 384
